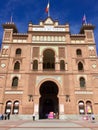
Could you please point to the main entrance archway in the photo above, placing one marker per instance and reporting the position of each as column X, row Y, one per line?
column 48, row 101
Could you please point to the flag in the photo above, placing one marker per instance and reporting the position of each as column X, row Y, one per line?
column 84, row 20
column 47, row 8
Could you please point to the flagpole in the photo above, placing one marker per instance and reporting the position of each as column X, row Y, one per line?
column 49, row 9
column 48, row 13
column 84, row 21
column 11, row 18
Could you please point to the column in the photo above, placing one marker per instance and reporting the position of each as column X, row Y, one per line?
column 57, row 64
column 66, row 66
column 40, row 64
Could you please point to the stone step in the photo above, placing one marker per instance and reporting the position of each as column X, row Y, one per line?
column 61, row 117
column 21, row 117
column 48, row 124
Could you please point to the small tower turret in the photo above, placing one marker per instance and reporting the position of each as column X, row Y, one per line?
column 88, row 29
column 9, row 29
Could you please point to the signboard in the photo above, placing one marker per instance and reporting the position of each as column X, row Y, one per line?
column 49, row 28
column 36, row 108
column 61, row 108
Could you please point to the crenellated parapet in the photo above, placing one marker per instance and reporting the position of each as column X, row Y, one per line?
column 9, row 29
column 88, row 29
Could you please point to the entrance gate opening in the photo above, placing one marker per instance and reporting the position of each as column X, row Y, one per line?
column 48, row 101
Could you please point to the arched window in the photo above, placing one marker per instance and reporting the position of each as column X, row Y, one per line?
column 81, row 107
column 78, row 52
column 17, row 66
column 89, row 107
column 82, row 82
column 3, row 51
column 80, row 66
column 6, row 51
column 8, row 107
column 15, row 82
column 16, row 107
column 62, row 65
column 18, row 51
column 48, row 59
column 35, row 65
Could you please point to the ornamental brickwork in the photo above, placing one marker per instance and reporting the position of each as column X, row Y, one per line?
column 48, row 69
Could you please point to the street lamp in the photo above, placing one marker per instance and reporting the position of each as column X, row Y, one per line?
column 30, row 98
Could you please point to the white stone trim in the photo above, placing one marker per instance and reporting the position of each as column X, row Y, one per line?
column 48, row 29
column 15, row 75
column 5, row 47
column 83, row 92
column 40, row 78
column 13, row 92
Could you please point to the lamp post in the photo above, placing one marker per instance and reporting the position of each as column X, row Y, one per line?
column 67, row 98
column 30, row 98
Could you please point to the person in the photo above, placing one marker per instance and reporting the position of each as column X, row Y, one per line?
column 51, row 115
column 33, row 116
column 93, row 117
column 5, row 116
column 2, row 117
column 8, row 115
column 46, row 116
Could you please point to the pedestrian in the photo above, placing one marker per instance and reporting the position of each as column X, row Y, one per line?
column 92, row 118
column 5, row 116
column 8, row 115
column 33, row 116
column 2, row 117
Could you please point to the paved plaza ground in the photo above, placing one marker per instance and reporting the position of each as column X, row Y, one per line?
column 48, row 124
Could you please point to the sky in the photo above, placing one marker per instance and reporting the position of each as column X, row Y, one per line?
column 65, row 11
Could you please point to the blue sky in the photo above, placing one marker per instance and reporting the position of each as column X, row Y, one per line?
column 65, row 11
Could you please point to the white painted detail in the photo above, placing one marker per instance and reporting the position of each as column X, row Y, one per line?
column 13, row 92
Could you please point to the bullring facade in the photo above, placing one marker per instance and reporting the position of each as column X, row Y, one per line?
column 48, row 69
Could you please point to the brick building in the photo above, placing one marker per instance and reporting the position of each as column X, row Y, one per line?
column 48, row 69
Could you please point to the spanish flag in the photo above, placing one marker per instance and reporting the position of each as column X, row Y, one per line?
column 47, row 8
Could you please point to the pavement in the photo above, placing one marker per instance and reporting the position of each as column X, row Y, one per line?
column 48, row 124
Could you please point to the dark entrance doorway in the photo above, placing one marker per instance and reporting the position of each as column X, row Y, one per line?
column 48, row 101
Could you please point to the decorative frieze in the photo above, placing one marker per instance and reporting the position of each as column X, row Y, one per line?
column 40, row 78
column 13, row 92
column 48, row 39
column 77, row 41
column 83, row 92
column 19, row 40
